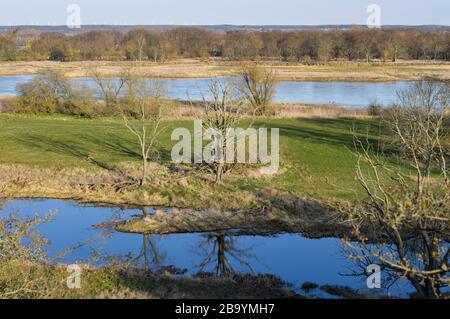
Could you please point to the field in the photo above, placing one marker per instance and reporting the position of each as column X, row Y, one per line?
column 317, row 162
column 375, row 71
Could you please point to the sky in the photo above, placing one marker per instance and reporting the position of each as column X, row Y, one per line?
column 206, row 12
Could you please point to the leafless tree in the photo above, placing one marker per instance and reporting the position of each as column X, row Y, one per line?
column 258, row 86
column 403, row 225
column 110, row 89
column 418, row 124
column 308, row 46
column 223, row 110
column 142, row 114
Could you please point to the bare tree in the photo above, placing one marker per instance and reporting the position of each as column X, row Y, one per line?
column 136, row 44
column 110, row 89
column 142, row 114
column 258, row 87
column 418, row 124
column 223, row 110
column 404, row 223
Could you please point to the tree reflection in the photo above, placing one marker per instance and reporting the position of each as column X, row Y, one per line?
column 149, row 256
column 416, row 253
column 222, row 252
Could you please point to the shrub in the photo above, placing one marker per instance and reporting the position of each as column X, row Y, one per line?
column 51, row 92
column 375, row 109
column 20, row 253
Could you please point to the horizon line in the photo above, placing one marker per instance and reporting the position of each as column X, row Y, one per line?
column 226, row 24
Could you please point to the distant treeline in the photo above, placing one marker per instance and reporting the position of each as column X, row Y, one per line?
column 306, row 46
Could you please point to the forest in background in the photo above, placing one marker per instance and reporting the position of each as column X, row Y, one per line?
column 306, row 46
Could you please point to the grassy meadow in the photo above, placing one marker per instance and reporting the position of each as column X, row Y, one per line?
column 317, row 159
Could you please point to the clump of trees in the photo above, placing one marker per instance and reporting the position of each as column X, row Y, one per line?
column 307, row 46
column 8, row 45
column 403, row 225
column 52, row 92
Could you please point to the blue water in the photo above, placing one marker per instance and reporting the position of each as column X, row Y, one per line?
column 291, row 257
column 350, row 94
column 8, row 83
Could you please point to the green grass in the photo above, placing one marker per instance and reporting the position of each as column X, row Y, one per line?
column 316, row 154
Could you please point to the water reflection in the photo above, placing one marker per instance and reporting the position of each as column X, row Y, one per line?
column 291, row 257
column 426, row 274
column 222, row 253
column 149, row 257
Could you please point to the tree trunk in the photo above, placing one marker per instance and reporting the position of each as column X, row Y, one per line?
column 219, row 173
column 144, row 172
column 221, row 267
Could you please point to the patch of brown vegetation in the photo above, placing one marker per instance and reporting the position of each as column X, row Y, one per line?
column 310, row 218
column 295, row 110
column 122, row 282
column 185, row 110
column 376, row 71
column 167, row 186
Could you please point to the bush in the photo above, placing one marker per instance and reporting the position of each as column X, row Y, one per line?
column 307, row 60
column 51, row 92
column 21, row 251
column 375, row 109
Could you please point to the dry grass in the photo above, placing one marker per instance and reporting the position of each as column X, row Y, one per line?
column 5, row 103
column 177, row 110
column 183, row 110
column 119, row 185
column 175, row 69
column 121, row 282
column 375, row 71
column 292, row 110
column 89, row 185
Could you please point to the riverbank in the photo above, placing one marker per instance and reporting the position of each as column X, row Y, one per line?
column 309, row 218
column 191, row 68
column 187, row 110
column 27, row 281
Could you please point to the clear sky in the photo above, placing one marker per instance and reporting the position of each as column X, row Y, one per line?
column 303, row 12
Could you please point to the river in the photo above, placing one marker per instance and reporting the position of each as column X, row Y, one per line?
column 349, row 94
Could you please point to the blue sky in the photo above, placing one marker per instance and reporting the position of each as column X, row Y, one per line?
column 308, row 12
